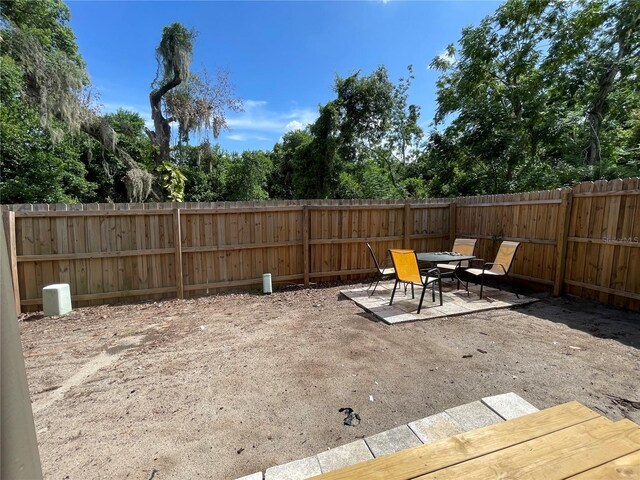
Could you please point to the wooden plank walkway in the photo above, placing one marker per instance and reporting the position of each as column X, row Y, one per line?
column 566, row 441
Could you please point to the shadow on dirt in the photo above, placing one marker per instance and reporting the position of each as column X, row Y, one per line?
column 594, row 318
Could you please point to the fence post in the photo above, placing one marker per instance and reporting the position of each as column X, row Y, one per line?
column 406, row 238
column 452, row 221
column 9, row 219
column 177, row 242
column 305, row 243
column 564, row 218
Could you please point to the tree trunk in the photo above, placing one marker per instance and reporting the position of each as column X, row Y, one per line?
column 161, row 137
column 596, row 110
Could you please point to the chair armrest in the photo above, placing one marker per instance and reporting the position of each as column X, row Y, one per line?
column 432, row 270
column 494, row 263
column 473, row 261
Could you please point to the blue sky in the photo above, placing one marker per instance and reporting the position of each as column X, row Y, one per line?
column 282, row 57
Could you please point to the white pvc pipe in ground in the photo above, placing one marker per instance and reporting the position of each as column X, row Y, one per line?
column 266, row 283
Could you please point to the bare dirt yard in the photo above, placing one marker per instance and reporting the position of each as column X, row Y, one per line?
column 227, row 385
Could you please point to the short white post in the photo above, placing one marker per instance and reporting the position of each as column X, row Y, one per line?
column 266, row 283
column 56, row 299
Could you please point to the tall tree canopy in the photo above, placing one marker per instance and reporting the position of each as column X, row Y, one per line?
column 190, row 99
column 51, row 85
column 361, row 139
column 539, row 94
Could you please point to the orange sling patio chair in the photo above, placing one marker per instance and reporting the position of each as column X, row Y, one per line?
column 405, row 263
column 497, row 269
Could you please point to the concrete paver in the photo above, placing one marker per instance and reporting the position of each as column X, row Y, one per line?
column 430, row 429
column 296, row 470
column 455, row 302
column 473, row 415
column 253, row 476
column 392, row 441
column 509, row 405
column 436, row 427
column 354, row 452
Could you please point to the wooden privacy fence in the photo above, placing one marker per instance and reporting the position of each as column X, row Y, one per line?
column 583, row 240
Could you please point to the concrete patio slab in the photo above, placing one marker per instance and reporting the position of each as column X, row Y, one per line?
column 473, row 415
column 436, row 427
column 392, row 441
column 454, row 302
column 296, row 470
column 509, row 405
column 354, row 452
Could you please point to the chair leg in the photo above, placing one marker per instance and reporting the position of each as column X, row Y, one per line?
column 424, row 289
column 513, row 286
column 376, row 286
column 372, row 282
column 394, row 291
column 433, row 291
column 412, row 293
column 440, row 290
column 481, row 285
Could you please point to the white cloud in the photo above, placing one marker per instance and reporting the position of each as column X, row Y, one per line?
column 259, row 118
column 294, row 125
column 241, row 137
column 237, row 137
column 258, row 121
column 250, row 123
column 249, row 104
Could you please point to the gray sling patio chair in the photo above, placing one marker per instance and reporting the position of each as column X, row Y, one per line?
column 381, row 272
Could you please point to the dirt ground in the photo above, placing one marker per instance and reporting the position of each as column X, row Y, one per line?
column 227, row 385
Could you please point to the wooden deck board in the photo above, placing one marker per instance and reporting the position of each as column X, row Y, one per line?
column 440, row 455
column 558, row 455
column 627, row 467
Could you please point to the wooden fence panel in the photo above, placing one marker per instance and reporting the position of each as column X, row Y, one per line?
column 603, row 250
column 338, row 233
column 585, row 240
column 529, row 218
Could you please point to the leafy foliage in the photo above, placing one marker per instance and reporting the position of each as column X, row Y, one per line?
column 247, row 176
column 172, row 181
column 34, row 167
column 538, row 95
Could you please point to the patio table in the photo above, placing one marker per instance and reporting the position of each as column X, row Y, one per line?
column 443, row 257
column 434, row 258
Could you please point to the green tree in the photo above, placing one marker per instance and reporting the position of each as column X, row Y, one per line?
column 205, row 168
column 189, row 98
column 289, row 159
column 367, row 132
column 33, row 167
column 247, row 176
column 533, row 95
column 107, row 169
column 38, row 40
